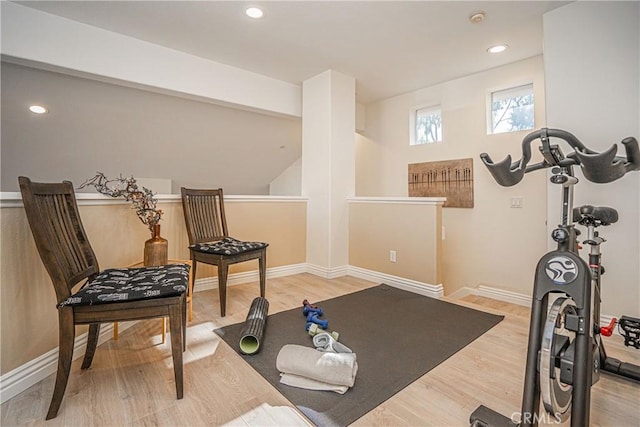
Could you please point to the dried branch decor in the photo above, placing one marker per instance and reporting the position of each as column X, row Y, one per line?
column 143, row 201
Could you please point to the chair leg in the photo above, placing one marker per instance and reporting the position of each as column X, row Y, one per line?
column 184, row 325
column 223, row 272
column 176, row 328
column 67, row 332
column 92, row 343
column 192, row 280
column 262, row 264
column 194, row 265
column 192, row 284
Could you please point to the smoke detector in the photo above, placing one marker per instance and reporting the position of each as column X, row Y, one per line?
column 476, row 18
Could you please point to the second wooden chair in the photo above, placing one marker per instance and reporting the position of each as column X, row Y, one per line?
column 209, row 240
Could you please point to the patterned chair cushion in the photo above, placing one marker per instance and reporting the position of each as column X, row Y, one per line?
column 129, row 284
column 228, row 246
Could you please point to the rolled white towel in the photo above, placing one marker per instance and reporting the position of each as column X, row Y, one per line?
column 309, row 384
column 325, row 342
column 331, row 368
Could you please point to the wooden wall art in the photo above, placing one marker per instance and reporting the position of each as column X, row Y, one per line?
column 452, row 179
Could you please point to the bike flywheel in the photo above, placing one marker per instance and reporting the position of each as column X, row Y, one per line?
column 556, row 340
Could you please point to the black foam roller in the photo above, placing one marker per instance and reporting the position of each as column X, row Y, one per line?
column 253, row 330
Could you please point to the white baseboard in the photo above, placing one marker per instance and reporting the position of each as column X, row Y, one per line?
column 493, row 293
column 504, row 295
column 207, row 283
column 328, row 273
column 514, row 298
column 463, row 292
column 23, row 377
column 426, row 289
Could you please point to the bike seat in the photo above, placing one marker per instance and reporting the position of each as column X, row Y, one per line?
column 597, row 215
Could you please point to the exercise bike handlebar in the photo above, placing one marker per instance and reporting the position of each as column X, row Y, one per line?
column 596, row 167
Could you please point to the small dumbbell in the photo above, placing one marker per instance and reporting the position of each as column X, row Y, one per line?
column 313, row 318
column 315, row 329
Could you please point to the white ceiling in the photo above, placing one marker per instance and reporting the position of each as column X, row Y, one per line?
column 389, row 47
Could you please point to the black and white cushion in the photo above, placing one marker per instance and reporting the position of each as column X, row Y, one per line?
column 228, row 246
column 130, row 284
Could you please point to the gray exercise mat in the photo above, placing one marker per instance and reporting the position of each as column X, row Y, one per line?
column 397, row 335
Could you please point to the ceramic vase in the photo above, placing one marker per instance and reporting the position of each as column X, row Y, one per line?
column 156, row 249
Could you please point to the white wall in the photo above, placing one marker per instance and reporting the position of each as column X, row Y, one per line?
column 288, row 183
column 489, row 244
column 592, row 70
column 96, row 126
column 328, row 158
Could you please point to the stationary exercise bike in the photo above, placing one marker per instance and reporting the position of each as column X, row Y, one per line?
column 565, row 352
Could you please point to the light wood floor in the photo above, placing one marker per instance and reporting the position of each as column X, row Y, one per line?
column 131, row 380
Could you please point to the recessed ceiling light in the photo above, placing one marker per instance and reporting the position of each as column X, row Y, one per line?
column 254, row 12
column 38, row 109
column 497, row 48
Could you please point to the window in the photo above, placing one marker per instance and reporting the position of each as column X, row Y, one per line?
column 426, row 125
column 511, row 109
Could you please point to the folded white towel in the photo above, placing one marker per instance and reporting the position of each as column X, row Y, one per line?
column 331, row 368
column 325, row 342
column 309, row 384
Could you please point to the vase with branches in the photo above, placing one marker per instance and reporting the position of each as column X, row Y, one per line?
column 145, row 205
column 143, row 199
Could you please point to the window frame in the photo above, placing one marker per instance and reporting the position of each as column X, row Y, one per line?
column 489, row 105
column 413, row 139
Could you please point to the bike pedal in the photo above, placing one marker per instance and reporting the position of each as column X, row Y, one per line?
column 629, row 328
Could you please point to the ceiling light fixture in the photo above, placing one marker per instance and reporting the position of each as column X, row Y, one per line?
column 497, row 48
column 254, row 12
column 37, row 109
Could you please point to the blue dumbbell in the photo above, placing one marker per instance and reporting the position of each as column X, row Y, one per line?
column 308, row 308
column 313, row 318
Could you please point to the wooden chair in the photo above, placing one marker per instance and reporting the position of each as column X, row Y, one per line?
column 106, row 296
column 209, row 240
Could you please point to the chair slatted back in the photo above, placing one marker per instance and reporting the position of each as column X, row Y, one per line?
column 53, row 216
column 204, row 215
